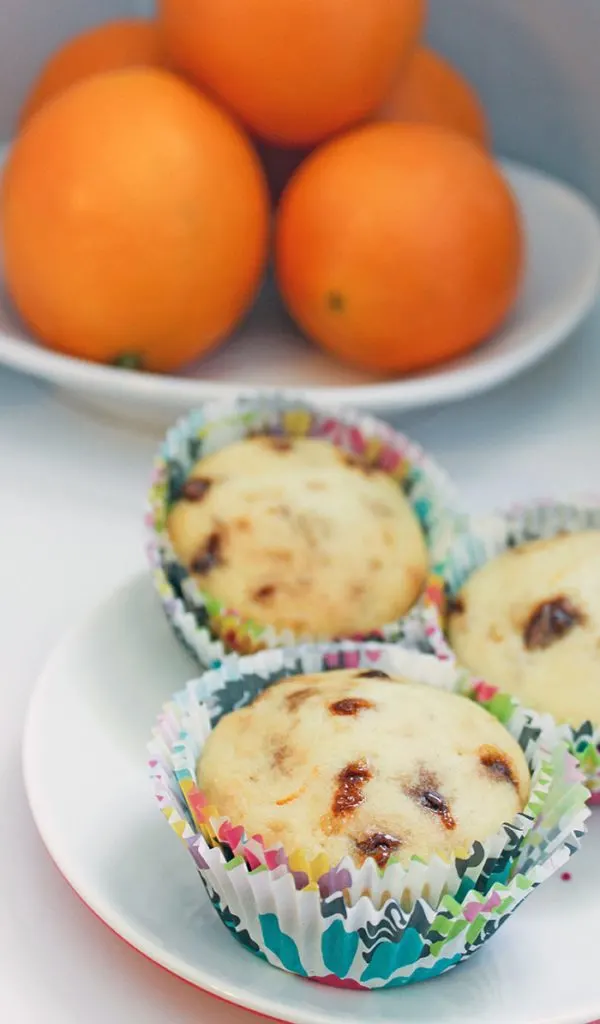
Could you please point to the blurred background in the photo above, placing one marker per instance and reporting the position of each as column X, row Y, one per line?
column 534, row 62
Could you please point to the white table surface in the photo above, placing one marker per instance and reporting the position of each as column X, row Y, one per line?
column 72, row 488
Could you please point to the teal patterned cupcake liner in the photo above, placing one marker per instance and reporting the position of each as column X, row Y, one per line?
column 362, row 927
column 208, row 629
column 477, row 542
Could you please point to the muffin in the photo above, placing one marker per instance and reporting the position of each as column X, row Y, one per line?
column 360, row 764
column 272, row 523
column 297, row 534
column 272, row 767
column 518, row 603
column 529, row 623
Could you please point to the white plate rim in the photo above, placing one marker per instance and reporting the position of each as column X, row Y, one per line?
column 444, row 386
column 100, row 907
column 251, row 1001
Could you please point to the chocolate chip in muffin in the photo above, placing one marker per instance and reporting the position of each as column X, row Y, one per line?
column 350, row 706
column 426, row 791
column 551, row 621
column 378, row 845
column 456, row 604
column 210, row 557
column 196, row 488
column 498, row 765
column 265, row 593
column 372, row 673
column 350, row 784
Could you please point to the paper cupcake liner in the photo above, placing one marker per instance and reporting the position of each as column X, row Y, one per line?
column 362, row 927
column 205, row 626
column 479, row 541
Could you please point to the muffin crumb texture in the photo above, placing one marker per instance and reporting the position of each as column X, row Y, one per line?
column 528, row 622
column 360, row 764
column 296, row 534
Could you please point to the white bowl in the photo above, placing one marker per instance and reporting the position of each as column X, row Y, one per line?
column 267, row 353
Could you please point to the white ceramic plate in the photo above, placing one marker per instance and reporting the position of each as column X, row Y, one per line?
column 85, row 773
column 563, row 235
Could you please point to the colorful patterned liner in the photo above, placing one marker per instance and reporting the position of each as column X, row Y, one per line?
column 205, row 626
column 477, row 542
column 338, row 924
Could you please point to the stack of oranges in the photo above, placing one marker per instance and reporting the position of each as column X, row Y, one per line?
column 136, row 214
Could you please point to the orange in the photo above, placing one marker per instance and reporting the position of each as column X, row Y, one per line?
column 134, row 218
column 399, row 246
column 294, row 71
column 109, row 47
column 430, row 90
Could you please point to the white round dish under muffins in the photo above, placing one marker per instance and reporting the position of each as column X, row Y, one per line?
column 561, row 284
column 84, row 764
